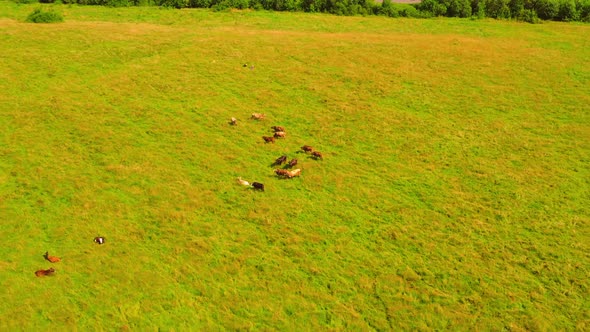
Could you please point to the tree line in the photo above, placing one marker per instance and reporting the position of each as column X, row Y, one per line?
column 532, row 11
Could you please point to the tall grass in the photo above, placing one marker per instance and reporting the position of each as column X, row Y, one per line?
column 453, row 194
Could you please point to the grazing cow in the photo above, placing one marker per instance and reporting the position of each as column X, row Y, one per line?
column 233, row 121
column 292, row 163
column 268, row 139
column 42, row 273
column 288, row 174
column 293, row 173
column 280, row 134
column 317, row 155
column 243, row 182
column 258, row 116
column 282, row 172
column 307, row 148
column 52, row 259
column 258, row 186
column 278, row 128
column 99, row 240
column 280, row 160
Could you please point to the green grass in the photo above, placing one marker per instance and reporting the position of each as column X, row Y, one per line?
column 454, row 193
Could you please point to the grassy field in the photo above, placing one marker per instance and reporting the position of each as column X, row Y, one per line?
column 454, row 193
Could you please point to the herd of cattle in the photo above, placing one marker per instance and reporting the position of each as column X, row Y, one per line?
column 286, row 172
column 53, row 259
column 50, row 271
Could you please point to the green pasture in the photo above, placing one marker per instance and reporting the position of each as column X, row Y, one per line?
column 454, row 193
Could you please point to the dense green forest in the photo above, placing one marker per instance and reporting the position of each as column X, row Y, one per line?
column 524, row 10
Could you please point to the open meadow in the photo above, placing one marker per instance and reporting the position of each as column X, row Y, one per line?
column 454, row 192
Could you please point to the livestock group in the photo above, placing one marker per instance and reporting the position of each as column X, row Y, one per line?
column 50, row 271
column 287, row 172
column 53, row 259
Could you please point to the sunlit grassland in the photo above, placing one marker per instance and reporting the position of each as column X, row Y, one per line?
column 454, row 193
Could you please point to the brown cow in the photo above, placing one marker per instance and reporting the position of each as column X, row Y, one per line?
column 268, row 139
column 307, row 148
column 288, row 174
column 278, row 128
column 258, row 186
column 258, row 116
column 282, row 172
column 317, row 155
column 280, row 160
column 42, row 273
column 233, row 121
column 292, row 163
column 52, row 259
